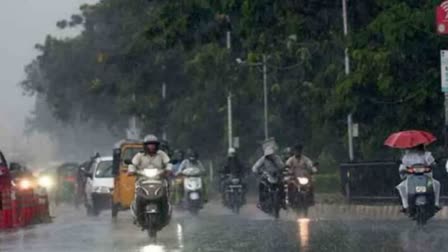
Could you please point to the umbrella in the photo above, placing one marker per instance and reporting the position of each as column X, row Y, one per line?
column 409, row 139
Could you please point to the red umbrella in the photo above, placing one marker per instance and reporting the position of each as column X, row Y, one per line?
column 409, row 139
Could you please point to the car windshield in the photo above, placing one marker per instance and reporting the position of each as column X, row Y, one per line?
column 104, row 169
column 129, row 153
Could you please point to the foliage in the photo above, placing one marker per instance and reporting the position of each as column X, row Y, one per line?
column 128, row 49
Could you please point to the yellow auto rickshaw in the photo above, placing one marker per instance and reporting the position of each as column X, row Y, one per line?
column 124, row 185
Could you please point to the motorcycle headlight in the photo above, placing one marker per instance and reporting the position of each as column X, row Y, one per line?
column 25, row 184
column 303, row 180
column 150, row 173
column 45, row 182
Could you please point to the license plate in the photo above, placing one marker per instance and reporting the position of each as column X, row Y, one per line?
column 151, row 208
column 194, row 196
column 420, row 189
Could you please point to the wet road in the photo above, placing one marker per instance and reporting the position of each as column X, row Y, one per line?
column 215, row 229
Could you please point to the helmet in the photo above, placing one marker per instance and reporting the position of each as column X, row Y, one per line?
column 191, row 154
column 151, row 139
column 231, row 152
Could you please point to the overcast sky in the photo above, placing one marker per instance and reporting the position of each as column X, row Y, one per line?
column 23, row 23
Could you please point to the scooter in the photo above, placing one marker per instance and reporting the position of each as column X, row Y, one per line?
column 193, row 198
column 420, row 194
column 151, row 196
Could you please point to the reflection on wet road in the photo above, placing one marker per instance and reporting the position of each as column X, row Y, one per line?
column 217, row 230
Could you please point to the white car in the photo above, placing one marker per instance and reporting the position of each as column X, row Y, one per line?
column 99, row 185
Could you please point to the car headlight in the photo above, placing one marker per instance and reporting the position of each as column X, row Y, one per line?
column 25, row 184
column 46, row 182
column 101, row 189
column 150, row 172
column 303, row 180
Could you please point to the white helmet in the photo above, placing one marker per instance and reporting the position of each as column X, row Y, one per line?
column 151, row 139
column 231, row 152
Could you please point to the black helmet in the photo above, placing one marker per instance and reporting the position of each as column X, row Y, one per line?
column 298, row 147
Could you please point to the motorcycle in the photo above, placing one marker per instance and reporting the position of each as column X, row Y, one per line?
column 234, row 193
column 193, row 198
column 151, row 196
column 420, row 194
column 272, row 190
column 299, row 192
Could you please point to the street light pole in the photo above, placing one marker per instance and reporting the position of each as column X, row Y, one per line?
column 347, row 72
column 229, row 119
column 265, row 89
column 229, row 95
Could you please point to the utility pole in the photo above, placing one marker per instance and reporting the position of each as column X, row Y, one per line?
column 265, row 90
column 229, row 119
column 229, row 95
column 347, row 72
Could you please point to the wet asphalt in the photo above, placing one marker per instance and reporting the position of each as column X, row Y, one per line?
column 217, row 229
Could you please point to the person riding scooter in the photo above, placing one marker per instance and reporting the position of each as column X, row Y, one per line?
column 416, row 156
column 151, row 157
column 176, row 160
column 192, row 160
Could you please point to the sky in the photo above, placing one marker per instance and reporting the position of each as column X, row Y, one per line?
column 23, row 23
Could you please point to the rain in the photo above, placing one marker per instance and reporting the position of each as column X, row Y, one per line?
column 196, row 126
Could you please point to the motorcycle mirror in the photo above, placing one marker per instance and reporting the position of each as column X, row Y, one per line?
column 127, row 162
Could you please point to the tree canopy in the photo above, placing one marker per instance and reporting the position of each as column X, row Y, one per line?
column 117, row 66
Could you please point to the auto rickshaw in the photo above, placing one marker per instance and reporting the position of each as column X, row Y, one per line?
column 124, row 185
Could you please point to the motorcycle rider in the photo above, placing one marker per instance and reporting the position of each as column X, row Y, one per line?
column 177, row 158
column 234, row 168
column 414, row 156
column 287, row 153
column 301, row 165
column 151, row 156
column 192, row 160
column 271, row 163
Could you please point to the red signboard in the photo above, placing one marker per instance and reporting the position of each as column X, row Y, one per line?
column 442, row 18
